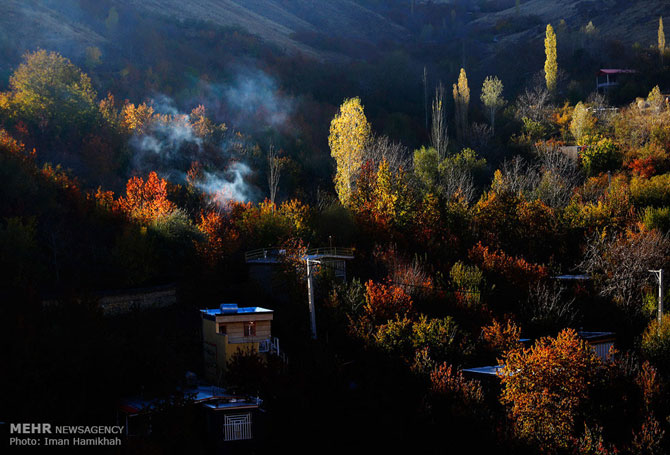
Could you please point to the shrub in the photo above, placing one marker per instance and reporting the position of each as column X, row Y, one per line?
column 600, row 156
column 655, row 343
column 654, row 191
column 657, row 218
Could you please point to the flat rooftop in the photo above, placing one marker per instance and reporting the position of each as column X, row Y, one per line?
column 491, row 370
column 209, row 396
column 596, row 336
column 231, row 309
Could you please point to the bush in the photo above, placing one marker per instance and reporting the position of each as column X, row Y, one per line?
column 656, row 343
column 654, row 191
column 657, row 218
column 600, row 156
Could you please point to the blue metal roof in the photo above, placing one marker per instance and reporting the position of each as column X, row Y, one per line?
column 491, row 370
column 210, row 396
column 240, row 310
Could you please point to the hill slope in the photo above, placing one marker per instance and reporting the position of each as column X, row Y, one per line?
column 625, row 20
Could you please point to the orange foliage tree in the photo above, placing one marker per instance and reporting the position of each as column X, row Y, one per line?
column 502, row 338
column 447, row 381
column 383, row 302
column 146, row 201
column 544, row 386
column 516, row 270
column 220, row 238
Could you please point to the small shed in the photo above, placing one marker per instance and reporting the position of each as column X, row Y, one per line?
column 601, row 342
column 609, row 78
column 225, row 417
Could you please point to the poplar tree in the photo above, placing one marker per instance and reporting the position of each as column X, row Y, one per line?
column 461, row 93
column 550, row 64
column 492, row 97
column 661, row 39
column 349, row 136
column 438, row 131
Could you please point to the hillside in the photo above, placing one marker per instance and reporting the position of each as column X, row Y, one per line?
column 70, row 27
column 627, row 21
column 277, row 20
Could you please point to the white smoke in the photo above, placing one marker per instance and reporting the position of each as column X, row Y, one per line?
column 255, row 97
column 229, row 185
column 252, row 102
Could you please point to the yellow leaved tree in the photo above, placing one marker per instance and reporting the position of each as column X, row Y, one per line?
column 349, row 135
column 550, row 65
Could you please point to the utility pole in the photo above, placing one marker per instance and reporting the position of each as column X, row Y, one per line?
column 310, row 296
column 659, row 276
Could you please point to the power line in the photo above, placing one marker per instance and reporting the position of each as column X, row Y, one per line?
column 434, row 288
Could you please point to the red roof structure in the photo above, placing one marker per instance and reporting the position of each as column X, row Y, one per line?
column 603, row 72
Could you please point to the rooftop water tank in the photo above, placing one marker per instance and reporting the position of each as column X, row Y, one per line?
column 228, row 308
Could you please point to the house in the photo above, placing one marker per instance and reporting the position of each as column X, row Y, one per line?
column 610, row 78
column 601, row 342
column 227, row 418
column 230, row 329
column 263, row 263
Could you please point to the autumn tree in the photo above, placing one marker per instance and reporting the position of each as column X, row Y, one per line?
column 52, row 94
column 461, row 93
column 550, row 64
column 136, row 119
column 384, row 302
column 502, row 338
column 544, row 386
column 492, row 97
column 620, row 264
column 382, row 198
column 468, row 282
column 146, row 200
column 661, row 39
column 582, row 123
column 349, row 135
column 219, row 237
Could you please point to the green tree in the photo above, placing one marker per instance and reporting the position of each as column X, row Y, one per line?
column 550, row 64
column 93, row 56
column 50, row 93
column 349, row 135
column 426, row 162
column 582, row 123
column 661, row 39
column 601, row 156
column 492, row 97
column 656, row 343
column 112, row 19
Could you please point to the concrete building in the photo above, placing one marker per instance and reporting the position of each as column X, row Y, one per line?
column 228, row 419
column 230, row 329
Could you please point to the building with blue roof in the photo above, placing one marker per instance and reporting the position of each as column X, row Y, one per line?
column 229, row 329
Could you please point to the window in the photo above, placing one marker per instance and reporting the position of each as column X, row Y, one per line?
column 249, row 329
column 237, row 427
column 222, row 329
